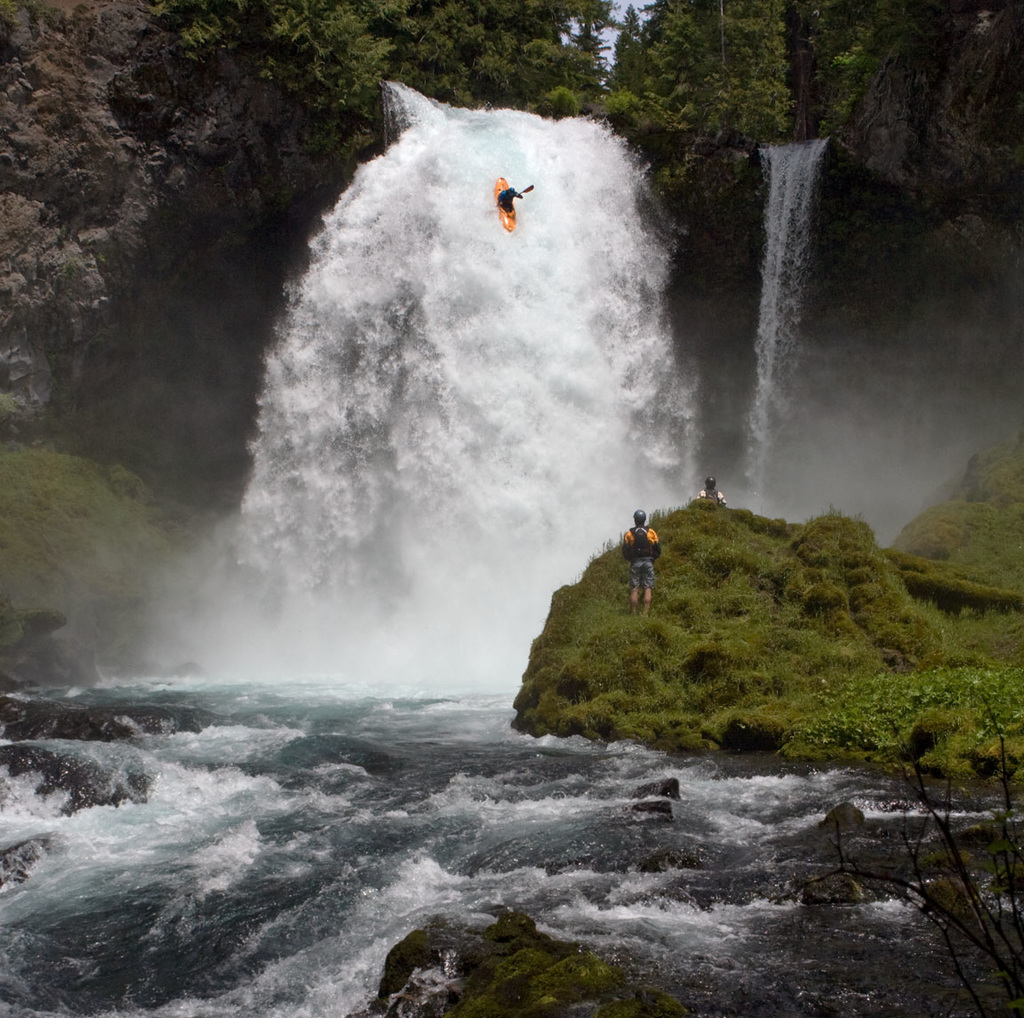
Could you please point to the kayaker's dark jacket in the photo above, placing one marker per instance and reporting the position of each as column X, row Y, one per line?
column 505, row 198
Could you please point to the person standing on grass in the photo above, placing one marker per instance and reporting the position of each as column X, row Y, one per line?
column 640, row 547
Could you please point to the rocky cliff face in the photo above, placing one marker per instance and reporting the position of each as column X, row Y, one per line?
column 125, row 169
column 954, row 123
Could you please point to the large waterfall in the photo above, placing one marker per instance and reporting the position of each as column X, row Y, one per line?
column 793, row 172
column 455, row 418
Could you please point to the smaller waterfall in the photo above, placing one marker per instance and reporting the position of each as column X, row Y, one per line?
column 792, row 175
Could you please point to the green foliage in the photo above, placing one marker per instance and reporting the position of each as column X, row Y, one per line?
column 334, row 53
column 80, row 538
column 631, row 65
column 726, row 64
column 623, row 103
column 941, row 715
column 8, row 12
column 561, row 102
column 722, row 67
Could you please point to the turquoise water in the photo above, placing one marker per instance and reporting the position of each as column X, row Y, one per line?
column 281, row 850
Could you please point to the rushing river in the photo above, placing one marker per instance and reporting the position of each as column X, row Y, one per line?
column 453, row 420
column 283, row 848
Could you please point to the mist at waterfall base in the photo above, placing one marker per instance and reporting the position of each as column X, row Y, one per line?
column 454, row 418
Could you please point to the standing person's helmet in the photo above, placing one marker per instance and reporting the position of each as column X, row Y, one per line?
column 709, row 483
column 639, row 517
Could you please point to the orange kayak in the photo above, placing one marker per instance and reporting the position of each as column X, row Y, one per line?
column 508, row 219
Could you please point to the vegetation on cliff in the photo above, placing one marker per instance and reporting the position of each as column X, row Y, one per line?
column 809, row 639
column 747, row 65
column 78, row 540
column 980, row 528
column 334, row 53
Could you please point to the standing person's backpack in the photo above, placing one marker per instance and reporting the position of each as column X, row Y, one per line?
column 641, row 546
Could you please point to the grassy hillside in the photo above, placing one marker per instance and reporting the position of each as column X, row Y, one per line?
column 981, row 528
column 78, row 538
column 809, row 639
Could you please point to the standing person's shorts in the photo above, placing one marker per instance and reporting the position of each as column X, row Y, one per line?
column 641, row 573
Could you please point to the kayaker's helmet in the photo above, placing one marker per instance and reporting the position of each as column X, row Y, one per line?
column 639, row 517
column 709, row 483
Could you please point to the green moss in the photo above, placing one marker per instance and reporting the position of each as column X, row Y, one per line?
column 954, row 594
column 978, row 530
column 645, row 1004
column 527, row 974
column 407, row 955
column 81, row 539
column 578, row 977
column 766, row 728
column 766, row 635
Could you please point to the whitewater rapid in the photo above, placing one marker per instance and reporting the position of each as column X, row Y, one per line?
column 279, row 852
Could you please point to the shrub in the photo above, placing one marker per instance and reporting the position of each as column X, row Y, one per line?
column 622, row 103
column 562, row 102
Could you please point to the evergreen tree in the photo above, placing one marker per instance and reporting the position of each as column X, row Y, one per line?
column 721, row 63
column 630, row 67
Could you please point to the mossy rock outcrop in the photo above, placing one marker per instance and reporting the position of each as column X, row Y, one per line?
column 755, row 625
column 509, row 970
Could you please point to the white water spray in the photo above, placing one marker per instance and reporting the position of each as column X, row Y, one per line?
column 455, row 418
column 792, row 175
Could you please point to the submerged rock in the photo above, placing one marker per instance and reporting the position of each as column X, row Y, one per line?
column 30, row 655
column 832, row 889
column 654, row 807
column 23, row 719
column 16, row 861
column 666, row 859
column 666, row 787
column 843, row 818
column 85, row 782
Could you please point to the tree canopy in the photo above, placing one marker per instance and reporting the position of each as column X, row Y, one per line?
column 714, row 65
column 466, row 52
column 703, row 65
